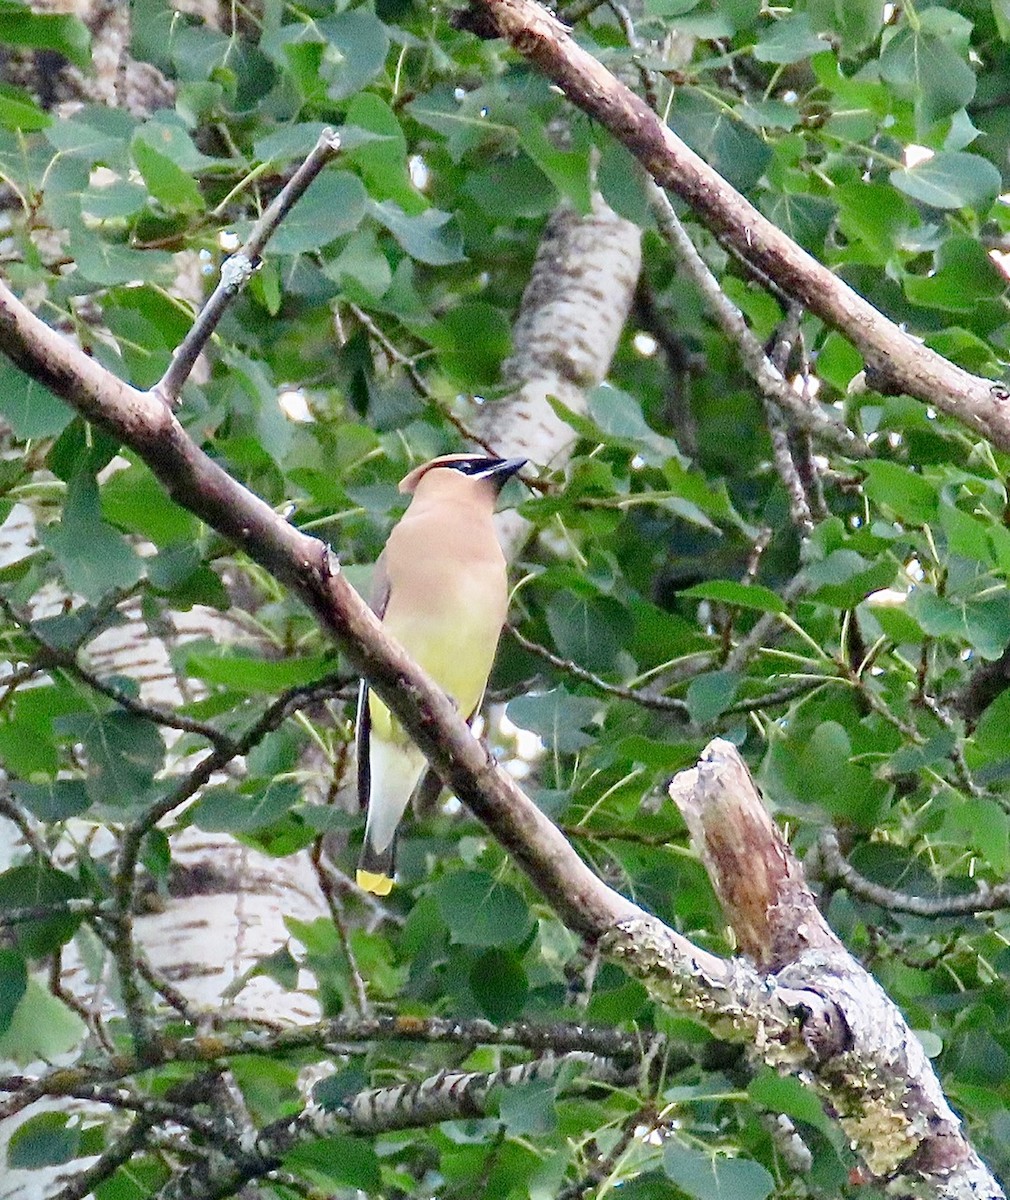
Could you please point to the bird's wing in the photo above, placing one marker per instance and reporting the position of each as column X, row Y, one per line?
column 363, row 724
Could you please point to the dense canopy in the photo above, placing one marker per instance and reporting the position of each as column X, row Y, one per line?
column 744, row 517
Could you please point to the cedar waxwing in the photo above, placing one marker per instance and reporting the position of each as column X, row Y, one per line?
column 440, row 589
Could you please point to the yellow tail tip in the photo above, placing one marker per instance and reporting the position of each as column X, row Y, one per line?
column 378, row 885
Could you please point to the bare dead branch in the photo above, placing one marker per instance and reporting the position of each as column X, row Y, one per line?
column 870, row 1068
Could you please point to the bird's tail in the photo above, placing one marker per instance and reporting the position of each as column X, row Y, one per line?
column 393, row 774
column 376, row 867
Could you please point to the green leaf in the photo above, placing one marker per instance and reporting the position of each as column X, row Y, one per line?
column 618, row 416
column 108, row 263
column 19, row 111
column 528, row 1110
column 499, row 984
column 789, row 40
column 733, row 149
column 984, row 827
column 951, row 179
column 741, row 595
column 94, row 134
column 63, row 33
column 31, row 410
column 785, row 1094
column 557, row 717
column 567, row 169
column 124, row 753
column 588, row 629
column 362, row 265
column 926, row 68
column 713, row 1176
column 227, row 810
column 340, row 1161
column 241, row 671
column 474, row 339
column 482, row 911
column 983, row 624
column 13, row 983
column 711, row 694
column 879, row 218
column 333, row 206
column 55, row 800
column 964, row 276
column 431, row 237
column 380, row 153
column 909, row 496
column 140, row 1179
column 134, row 500
column 43, row 1141
column 42, row 1028
column 845, row 578
column 166, row 182
column 36, row 884
column 93, row 557
column 357, row 43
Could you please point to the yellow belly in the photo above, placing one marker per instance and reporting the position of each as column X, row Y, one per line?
column 457, row 655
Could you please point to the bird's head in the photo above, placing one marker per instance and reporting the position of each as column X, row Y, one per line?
column 479, row 473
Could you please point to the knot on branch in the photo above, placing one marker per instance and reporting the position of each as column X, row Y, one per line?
column 824, row 1030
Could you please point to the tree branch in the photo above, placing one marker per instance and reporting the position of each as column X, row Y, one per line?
column 447, row 1096
column 867, row 1065
column 895, row 360
column 830, row 865
column 768, row 375
column 820, row 1015
column 240, row 267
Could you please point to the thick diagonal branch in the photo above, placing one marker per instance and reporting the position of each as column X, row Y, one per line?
column 895, row 361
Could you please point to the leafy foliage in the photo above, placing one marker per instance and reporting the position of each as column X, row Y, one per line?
column 670, row 571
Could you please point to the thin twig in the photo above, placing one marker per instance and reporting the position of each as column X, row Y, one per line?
column 239, row 268
column 731, row 320
column 20, row 819
column 417, row 380
column 830, row 865
column 659, row 703
column 124, row 879
column 641, row 1119
column 799, row 507
column 337, row 917
column 331, row 1037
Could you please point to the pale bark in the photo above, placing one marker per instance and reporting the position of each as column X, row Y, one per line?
column 864, row 1061
column 571, row 317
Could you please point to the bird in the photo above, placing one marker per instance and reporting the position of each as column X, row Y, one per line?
column 440, row 588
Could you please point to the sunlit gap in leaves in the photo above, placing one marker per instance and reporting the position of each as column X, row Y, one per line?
column 915, row 155
column 419, row 173
column 294, row 406
column 645, row 344
column 516, row 749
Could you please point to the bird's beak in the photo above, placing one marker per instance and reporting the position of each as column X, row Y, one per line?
column 504, row 470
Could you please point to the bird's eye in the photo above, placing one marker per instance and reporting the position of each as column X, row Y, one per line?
column 472, row 466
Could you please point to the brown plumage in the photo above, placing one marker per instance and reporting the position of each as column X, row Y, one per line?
column 441, row 590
